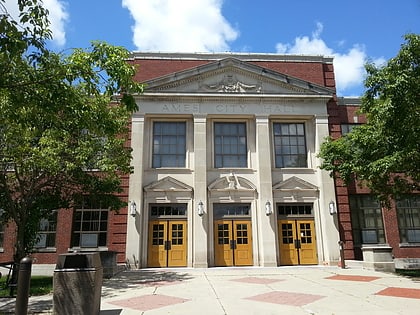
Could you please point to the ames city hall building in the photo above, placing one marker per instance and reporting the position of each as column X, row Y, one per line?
column 226, row 173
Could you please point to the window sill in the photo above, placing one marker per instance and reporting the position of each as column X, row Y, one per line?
column 87, row 249
column 294, row 170
column 45, row 250
column 408, row 245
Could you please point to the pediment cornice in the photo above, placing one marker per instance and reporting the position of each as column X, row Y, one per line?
column 232, row 76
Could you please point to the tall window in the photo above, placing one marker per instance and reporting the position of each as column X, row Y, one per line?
column 47, row 231
column 408, row 210
column 230, row 148
column 290, row 144
column 366, row 218
column 90, row 225
column 169, row 144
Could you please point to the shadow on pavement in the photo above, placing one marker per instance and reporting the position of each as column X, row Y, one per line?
column 127, row 280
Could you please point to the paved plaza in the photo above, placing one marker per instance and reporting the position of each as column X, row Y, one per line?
column 231, row 291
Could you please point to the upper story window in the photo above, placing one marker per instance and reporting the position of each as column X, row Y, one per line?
column 230, row 147
column 290, row 145
column 346, row 128
column 169, row 144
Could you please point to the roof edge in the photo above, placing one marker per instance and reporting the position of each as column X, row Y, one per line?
column 221, row 55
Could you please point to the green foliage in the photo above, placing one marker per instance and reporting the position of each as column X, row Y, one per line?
column 63, row 122
column 40, row 285
column 384, row 154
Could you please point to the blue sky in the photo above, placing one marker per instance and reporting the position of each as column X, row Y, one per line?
column 353, row 32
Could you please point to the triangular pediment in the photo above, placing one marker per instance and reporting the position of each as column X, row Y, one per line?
column 231, row 76
column 168, row 184
column 295, row 184
column 232, row 182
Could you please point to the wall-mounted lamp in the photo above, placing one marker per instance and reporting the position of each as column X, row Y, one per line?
column 200, row 208
column 332, row 208
column 133, row 209
column 268, row 209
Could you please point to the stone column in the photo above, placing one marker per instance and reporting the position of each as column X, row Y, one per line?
column 265, row 223
column 135, row 194
column 200, row 223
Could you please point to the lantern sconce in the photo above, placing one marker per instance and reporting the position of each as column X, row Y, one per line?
column 268, row 209
column 332, row 208
column 200, row 208
column 133, row 208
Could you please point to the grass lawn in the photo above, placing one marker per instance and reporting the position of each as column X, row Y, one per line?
column 40, row 285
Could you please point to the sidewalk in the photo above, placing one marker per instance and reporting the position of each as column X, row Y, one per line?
column 283, row 290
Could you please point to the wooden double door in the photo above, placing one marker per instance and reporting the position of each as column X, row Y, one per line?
column 297, row 242
column 167, row 245
column 232, row 243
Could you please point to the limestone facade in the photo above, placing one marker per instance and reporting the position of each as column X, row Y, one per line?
column 238, row 182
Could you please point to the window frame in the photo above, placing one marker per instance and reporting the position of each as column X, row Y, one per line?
column 360, row 205
column 152, row 145
column 408, row 211
column 244, row 155
column 102, row 223
column 300, row 156
column 349, row 127
column 49, row 232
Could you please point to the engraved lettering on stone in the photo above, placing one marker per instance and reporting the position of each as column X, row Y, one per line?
column 231, row 108
column 180, row 108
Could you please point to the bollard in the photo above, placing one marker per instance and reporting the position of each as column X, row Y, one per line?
column 342, row 261
column 24, row 282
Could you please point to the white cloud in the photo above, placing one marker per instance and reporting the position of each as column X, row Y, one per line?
column 349, row 67
column 182, row 25
column 58, row 16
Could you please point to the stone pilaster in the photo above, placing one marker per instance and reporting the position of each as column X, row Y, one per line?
column 266, row 223
column 200, row 223
column 135, row 223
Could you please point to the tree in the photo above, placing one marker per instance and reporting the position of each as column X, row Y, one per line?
column 384, row 153
column 63, row 123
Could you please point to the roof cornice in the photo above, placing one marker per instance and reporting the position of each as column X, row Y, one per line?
column 137, row 55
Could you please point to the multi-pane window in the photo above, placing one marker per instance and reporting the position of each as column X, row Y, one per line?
column 346, row 128
column 169, row 144
column 90, row 225
column 47, row 231
column 230, row 147
column 289, row 145
column 172, row 210
column 408, row 210
column 295, row 209
column 366, row 218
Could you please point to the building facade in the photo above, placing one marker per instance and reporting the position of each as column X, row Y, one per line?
column 225, row 162
column 366, row 228
column 226, row 173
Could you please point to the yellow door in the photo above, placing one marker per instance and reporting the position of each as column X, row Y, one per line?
column 177, row 251
column 287, row 236
column 306, row 235
column 223, row 254
column 233, row 243
column 167, row 244
column 297, row 242
column 157, row 242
